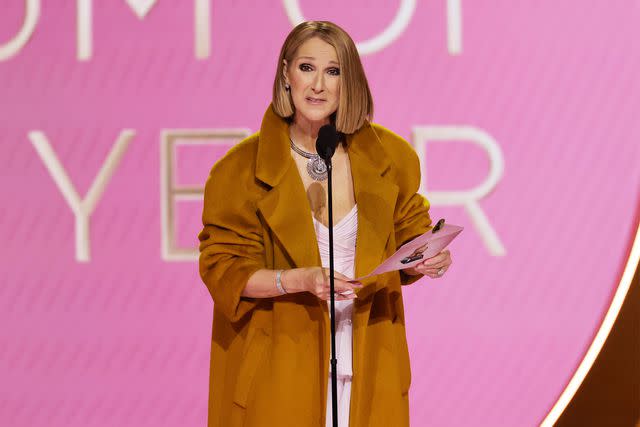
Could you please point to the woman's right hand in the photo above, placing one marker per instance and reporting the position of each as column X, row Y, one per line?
column 316, row 281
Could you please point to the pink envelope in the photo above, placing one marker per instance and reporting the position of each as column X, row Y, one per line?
column 422, row 247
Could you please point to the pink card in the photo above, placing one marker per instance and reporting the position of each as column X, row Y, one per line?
column 422, row 247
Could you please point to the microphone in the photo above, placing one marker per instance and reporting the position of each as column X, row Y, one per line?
column 327, row 142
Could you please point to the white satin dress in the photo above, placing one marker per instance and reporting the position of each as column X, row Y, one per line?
column 344, row 247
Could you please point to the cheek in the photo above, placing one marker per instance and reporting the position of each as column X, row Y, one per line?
column 294, row 81
column 334, row 88
column 297, row 90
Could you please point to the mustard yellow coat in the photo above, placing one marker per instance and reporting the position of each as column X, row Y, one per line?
column 270, row 356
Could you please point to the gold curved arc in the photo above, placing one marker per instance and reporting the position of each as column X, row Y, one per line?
column 600, row 338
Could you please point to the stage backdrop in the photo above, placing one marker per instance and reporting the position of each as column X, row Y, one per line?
column 525, row 117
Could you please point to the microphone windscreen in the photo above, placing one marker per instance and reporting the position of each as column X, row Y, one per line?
column 327, row 141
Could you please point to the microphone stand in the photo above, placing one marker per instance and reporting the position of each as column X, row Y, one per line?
column 326, row 143
column 332, row 299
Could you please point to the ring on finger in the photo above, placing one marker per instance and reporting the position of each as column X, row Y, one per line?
column 440, row 272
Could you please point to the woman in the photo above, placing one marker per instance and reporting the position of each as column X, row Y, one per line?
column 263, row 247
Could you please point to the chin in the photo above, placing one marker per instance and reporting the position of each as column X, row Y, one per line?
column 317, row 115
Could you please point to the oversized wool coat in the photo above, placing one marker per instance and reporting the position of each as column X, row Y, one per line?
column 270, row 356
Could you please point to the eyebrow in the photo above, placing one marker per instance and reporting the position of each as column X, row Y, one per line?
column 311, row 57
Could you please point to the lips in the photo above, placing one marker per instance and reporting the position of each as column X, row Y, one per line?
column 315, row 100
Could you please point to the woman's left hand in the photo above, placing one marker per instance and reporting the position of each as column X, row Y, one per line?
column 433, row 267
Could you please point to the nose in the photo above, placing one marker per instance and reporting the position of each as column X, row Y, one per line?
column 318, row 83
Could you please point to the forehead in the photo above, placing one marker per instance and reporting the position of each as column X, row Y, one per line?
column 317, row 49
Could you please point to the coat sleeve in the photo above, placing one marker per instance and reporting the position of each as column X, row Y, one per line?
column 411, row 216
column 231, row 243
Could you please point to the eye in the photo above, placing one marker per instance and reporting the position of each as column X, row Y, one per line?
column 334, row 71
column 305, row 67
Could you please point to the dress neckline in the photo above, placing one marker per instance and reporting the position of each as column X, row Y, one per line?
column 353, row 210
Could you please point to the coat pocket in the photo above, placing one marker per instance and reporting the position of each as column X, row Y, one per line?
column 253, row 356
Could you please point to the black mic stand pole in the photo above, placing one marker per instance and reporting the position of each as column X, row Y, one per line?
column 332, row 298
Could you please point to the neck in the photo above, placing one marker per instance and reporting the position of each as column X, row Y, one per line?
column 305, row 132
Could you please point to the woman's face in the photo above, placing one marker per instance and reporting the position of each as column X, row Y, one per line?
column 314, row 78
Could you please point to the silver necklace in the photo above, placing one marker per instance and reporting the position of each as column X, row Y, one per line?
column 316, row 168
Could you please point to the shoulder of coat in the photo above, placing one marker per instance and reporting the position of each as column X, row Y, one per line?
column 398, row 149
column 240, row 157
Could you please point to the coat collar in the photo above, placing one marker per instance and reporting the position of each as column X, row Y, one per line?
column 273, row 149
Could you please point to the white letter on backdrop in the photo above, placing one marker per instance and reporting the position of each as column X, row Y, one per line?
column 82, row 209
column 171, row 192
column 141, row 9
column 454, row 26
column 469, row 198
column 203, row 28
column 31, row 15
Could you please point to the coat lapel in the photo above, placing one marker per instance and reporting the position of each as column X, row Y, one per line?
column 376, row 199
column 285, row 207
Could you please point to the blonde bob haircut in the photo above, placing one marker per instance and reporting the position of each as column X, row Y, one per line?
column 356, row 104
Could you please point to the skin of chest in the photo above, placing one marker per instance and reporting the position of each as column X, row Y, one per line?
column 342, row 181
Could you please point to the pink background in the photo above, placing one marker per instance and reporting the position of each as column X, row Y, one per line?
column 124, row 339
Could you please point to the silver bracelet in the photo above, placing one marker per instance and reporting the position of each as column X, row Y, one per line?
column 279, row 282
